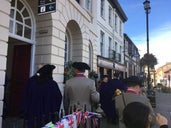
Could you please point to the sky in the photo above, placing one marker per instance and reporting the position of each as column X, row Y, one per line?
column 159, row 27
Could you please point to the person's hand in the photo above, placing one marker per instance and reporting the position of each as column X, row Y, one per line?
column 161, row 120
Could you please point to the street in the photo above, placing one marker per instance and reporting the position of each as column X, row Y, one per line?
column 163, row 105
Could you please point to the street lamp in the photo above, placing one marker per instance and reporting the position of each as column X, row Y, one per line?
column 147, row 11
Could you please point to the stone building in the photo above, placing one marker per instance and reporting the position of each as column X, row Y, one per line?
column 162, row 75
column 30, row 36
column 37, row 32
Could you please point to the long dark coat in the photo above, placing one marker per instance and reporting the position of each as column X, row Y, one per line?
column 107, row 104
column 107, row 100
column 40, row 100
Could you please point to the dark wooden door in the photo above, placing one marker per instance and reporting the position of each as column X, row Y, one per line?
column 20, row 74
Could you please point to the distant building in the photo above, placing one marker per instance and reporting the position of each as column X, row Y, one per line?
column 163, row 75
column 131, row 57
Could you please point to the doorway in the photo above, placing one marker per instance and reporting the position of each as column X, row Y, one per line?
column 18, row 70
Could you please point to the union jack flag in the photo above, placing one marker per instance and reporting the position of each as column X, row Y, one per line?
column 59, row 125
column 78, row 116
column 84, row 117
column 70, row 121
column 95, row 121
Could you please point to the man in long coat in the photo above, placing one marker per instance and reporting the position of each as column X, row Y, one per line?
column 80, row 91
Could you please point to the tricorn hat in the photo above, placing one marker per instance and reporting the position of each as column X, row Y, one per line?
column 81, row 66
column 46, row 69
column 133, row 81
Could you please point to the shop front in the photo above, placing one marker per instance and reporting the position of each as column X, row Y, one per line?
column 106, row 66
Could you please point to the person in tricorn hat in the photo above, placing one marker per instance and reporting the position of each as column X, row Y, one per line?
column 79, row 91
column 132, row 94
column 41, row 98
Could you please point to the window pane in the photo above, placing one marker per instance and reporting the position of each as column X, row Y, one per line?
column 27, row 33
column 102, row 8
column 18, row 29
column 11, row 26
column 13, row 3
column 19, row 5
column 88, row 4
column 19, row 18
column 25, row 13
column 12, row 13
column 28, row 22
column 110, row 16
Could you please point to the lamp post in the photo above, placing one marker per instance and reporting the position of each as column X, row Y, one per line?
column 147, row 9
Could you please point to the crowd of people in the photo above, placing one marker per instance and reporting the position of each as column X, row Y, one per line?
column 129, row 108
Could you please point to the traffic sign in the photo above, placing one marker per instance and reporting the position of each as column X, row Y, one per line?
column 46, row 6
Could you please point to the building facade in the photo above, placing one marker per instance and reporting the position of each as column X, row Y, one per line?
column 110, row 27
column 33, row 33
column 131, row 57
column 29, row 39
column 163, row 75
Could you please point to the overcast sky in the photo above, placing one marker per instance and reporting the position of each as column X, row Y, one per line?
column 159, row 27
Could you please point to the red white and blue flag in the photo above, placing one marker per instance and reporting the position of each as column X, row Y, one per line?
column 74, row 120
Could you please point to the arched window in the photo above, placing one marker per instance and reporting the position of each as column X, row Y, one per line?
column 21, row 24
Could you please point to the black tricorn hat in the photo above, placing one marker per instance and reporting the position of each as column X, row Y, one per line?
column 46, row 69
column 133, row 81
column 80, row 66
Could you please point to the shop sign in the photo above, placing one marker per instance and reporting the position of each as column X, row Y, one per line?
column 46, row 6
column 110, row 65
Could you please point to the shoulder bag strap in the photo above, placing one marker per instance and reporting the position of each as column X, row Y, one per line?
column 123, row 98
